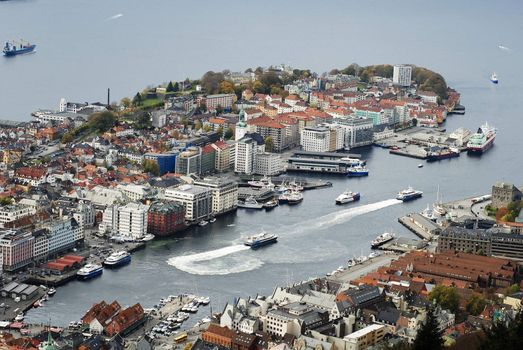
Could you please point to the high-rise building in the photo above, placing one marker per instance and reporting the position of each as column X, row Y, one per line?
column 17, row 249
column 196, row 200
column 224, row 193
column 402, row 75
column 132, row 220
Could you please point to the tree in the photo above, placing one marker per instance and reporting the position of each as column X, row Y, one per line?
column 6, row 201
column 476, row 304
column 170, row 87
column 206, row 128
column 137, row 99
column 176, row 87
column 219, row 109
column 429, row 335
column 197, row 125
column 258, row 87
column 102, row 121
column 229, row 133
column 143, row 121
column 150, row 166
column 269, row 79
column 67, row 138
column 512, row 289
column 447, row 297
column 219, row 131
column 269, row 144
column 226, row 87
column 211, row 81
column 334, row 71
column 126, row 102
column 504, row 335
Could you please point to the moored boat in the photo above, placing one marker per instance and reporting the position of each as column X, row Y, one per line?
column 347, row 197
column 294, row 197
column 358, row 171
column 90, row 271
column 250, row 203
column 118, row 259
column 261, row 240
column 437, row 153
column 408, row 194
column 51, row 291
column 482, row 140
column 382, row 239
column 271, row 204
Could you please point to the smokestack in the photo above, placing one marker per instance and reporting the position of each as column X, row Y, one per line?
column 108, row 97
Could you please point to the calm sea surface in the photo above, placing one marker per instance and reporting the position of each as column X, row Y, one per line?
column 86, row 46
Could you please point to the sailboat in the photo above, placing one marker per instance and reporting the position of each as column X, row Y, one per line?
column 438, row 206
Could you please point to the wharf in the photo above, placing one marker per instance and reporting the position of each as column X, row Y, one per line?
column 404, row 245
column 260, row 194
column 410, row 151
column 362, row 269
column 11, row 308
column 420, row 225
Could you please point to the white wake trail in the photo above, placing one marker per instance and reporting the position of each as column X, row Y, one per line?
column 114, row 17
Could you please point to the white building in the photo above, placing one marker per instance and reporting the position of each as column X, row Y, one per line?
column 428, row 96
column 245, row 155
column 402, row 75
column 10, row 213
column 365, row 337
column 132, row 220
column 85, row 214
column 196, row 200
column 268, row 164
column 241, row 126
column 159, row 119
column 315, row 139
column 135, row 192
column 224, row 194
column 62, row 234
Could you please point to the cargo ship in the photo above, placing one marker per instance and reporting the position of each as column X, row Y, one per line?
column 437, row 153
column 261, row 240
column 90, row 271
column 482, row 140
column 118, row 259
column 408, row 194
column 14, row 48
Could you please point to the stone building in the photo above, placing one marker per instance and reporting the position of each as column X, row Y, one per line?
column 504, row 193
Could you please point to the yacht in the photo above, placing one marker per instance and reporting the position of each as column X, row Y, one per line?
column 89, row 271
column 408, row 194
column 347, row 197
column 118, row 259
column 494, row 78
column 250, row 203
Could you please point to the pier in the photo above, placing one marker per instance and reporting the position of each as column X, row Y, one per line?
column 362, row 269
column 420, row 226
column 403, row 245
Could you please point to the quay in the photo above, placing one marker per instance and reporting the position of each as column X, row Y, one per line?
column 403, row 245
column 420, row 226
column 321, row 162
column 10, row 308
column 362, row 269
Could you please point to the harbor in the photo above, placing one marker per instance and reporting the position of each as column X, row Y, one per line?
column 420, row 226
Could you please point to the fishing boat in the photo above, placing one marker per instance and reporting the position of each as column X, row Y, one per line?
column 250, row 203
column 271, row 204
column 494, row 78
column 14, row 48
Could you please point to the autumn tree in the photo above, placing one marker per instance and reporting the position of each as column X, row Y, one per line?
column 447, row 297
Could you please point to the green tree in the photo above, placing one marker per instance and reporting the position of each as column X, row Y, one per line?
column 229, row 133
column 170, row 87
column 447, row 297
column 150, row 166
column 67, row 138
column 504, row 335
column 176, row 87
column 102, row 121
column 143, row 121
column 429, row 335
column 206, row 128
column 512, row 289
column 220, row 131
column 6, row 201
column 269, row 144
column 334, row 71
column 476, row 304
column 219, row 109
column 137, row 99
column 211, row 81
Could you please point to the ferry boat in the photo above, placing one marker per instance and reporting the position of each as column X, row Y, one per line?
column 14, row 48
column 354, row 161
column 347, row 197
column 294, row 197
column 89, row 271
column 250, row 203
column 494, row 78
column 261, row 240
column 408, row 194
column 382, row 239
column 358, row 171
column 118, row 259
column 441, row 153
column 482, row 140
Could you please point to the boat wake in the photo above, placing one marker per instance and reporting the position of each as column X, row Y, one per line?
column 504, row 48
column 114, row 17
column 228, row 260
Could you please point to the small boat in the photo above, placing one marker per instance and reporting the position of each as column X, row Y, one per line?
column 408, row 194
column 19, row 317
column 420, row 165
column 284, row 198
column 250, row 203
column 231, row 225
column 212, row 220
column 147, row 238
column 294, row 198
column 261, row 240
column 204, row 300
column 382, row 239
column 373, row 255
column 494, row 78
column 89, row 271
column 206, row 320
column 358, row 171
column 14, row 48
column 118, row 259
column 51, row 292
column 37, row 304
column 203, row 223
column 347, row 197
column 271, row 204
column 262, row 183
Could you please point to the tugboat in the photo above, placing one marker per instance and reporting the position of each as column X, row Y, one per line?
column 261, row 240
column 358, row 171
column 382, row 239
column 90, row 271
column 14, row 48
column 408, row 194
column 347, row 197
column 118, row 259
column 482, row 140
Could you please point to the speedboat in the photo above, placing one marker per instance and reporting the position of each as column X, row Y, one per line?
column 347, row 197
column 118, row 259
column 89, row 271
column 212, row 220
column 408, row 194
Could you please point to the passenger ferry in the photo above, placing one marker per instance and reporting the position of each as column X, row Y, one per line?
column 408, row 194
column 358, row 171
column 482, row 140
column 90, row 271
column 347, row 197
column 382, row 239
column 117, row 259
column 261, row 240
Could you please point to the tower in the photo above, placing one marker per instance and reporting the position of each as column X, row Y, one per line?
column 241, row 126
column 63, row 105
